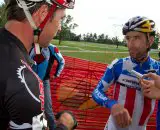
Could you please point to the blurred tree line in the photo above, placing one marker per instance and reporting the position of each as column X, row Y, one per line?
column 67, row 32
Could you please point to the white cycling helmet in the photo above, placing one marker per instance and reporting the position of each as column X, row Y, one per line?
column 140, row 24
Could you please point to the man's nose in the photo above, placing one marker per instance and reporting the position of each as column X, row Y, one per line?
column 131, row 40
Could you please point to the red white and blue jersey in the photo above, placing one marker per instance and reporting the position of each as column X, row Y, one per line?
column 127, row 91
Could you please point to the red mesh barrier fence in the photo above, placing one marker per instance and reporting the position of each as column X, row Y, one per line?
column 72, row 91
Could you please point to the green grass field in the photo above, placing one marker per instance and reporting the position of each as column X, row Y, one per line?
column 95, row 52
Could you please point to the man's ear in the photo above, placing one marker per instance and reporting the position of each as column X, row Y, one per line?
column 151, row 40
column 40, row 14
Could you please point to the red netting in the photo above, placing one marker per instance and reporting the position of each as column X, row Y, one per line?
column 72, row 91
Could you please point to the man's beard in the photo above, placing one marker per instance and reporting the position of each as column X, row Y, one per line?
column 140, row 57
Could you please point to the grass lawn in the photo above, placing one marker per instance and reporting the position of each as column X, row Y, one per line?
column 95, row 52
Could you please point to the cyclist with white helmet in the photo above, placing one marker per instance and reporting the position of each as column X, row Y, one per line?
column 21, row 90
column 130, row 110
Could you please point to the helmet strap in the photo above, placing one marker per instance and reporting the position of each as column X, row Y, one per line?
column 37, row 30
column 148, row 41
column 49, row 15
column 36, row 39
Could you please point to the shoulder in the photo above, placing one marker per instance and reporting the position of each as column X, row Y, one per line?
column 117, row 62
column 53, row 48
column 154, row 62
column 8, row 50
column 155, row 65
column 5, row 53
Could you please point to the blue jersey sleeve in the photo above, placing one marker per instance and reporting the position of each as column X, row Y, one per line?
column 98, row 94
column 59, row 58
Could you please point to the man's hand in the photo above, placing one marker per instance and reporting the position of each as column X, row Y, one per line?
column 121, row 115
column 151, row 87
column 153, row 77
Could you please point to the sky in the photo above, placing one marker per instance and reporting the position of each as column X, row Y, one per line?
column 108, row 16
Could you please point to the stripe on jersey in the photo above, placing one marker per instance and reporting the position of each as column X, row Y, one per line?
column 116, row 93
column 130, row 99
column 146, row 110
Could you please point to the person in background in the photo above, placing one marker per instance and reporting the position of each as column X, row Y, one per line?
column 67, row 118
column 44, row 63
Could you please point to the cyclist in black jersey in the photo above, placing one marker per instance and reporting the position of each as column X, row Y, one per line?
column 21, row 90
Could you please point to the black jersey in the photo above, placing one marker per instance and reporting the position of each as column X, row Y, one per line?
column 21, row 90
